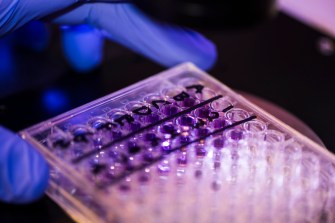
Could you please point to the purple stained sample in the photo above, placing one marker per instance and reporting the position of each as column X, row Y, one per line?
column 130, row 167
column 124, row 187
column 186, row 120
column 199, row 123
column 198, row 173
column 152, row 138
column 133, row 126
column 187, row 102
column 169, row 110
column 98, row 168
column 183, row 139
column 201, row 132
column 122, row 158
column 148, row 157
column 218, row 123
column 200, row 151
column 109, row 175
column 168, row 128
column 152, row 118
column 236, row 135
column 218, row 143
column 202, row 112
column 116, row 134
column 133, row 148
column 143, row 178
column 151, row 155
column 182, row 159
column 217, row 164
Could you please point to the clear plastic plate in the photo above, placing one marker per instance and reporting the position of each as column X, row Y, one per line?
column 182, row 147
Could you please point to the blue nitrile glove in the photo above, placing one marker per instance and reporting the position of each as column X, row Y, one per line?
column 123, row 23
column 24, row 173
column 16, row 13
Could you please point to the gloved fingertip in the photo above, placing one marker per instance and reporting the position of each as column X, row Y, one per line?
column 207, row 60
column 186, row 45
column 82, row 47
column 24, row 172
column 205, row 52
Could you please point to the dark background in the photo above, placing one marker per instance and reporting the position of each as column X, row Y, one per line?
column 279, row 61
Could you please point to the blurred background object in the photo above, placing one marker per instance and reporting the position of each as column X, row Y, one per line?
column 319, row 14
column 210, row 14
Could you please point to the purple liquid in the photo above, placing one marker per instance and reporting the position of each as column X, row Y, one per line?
column 218, row 143
column 201, row 132
column 183, row 139
column 133, row 148
column 168, row 129
column 186, row 120
column 116, row 135
column 198, row 173
column 187, row 102
column 182, row 160
column 134, row 126
column 219, row 123
column 124, row 187
column 202, row 113
column 143, row 178
column 201, row 151
column 152, row 118
column 217, row 165
column 149, row 137
column 169, row 110
column 236, row 135
column 148, row 157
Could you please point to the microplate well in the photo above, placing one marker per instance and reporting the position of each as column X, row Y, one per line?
column 182, row 147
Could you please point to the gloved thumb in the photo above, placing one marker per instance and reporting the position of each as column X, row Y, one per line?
column 24, row 173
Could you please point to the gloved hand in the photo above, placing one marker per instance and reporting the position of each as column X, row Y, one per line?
column 23, row 172
column 123, row 23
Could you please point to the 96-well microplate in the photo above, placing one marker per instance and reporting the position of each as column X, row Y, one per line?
column 182, row 147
